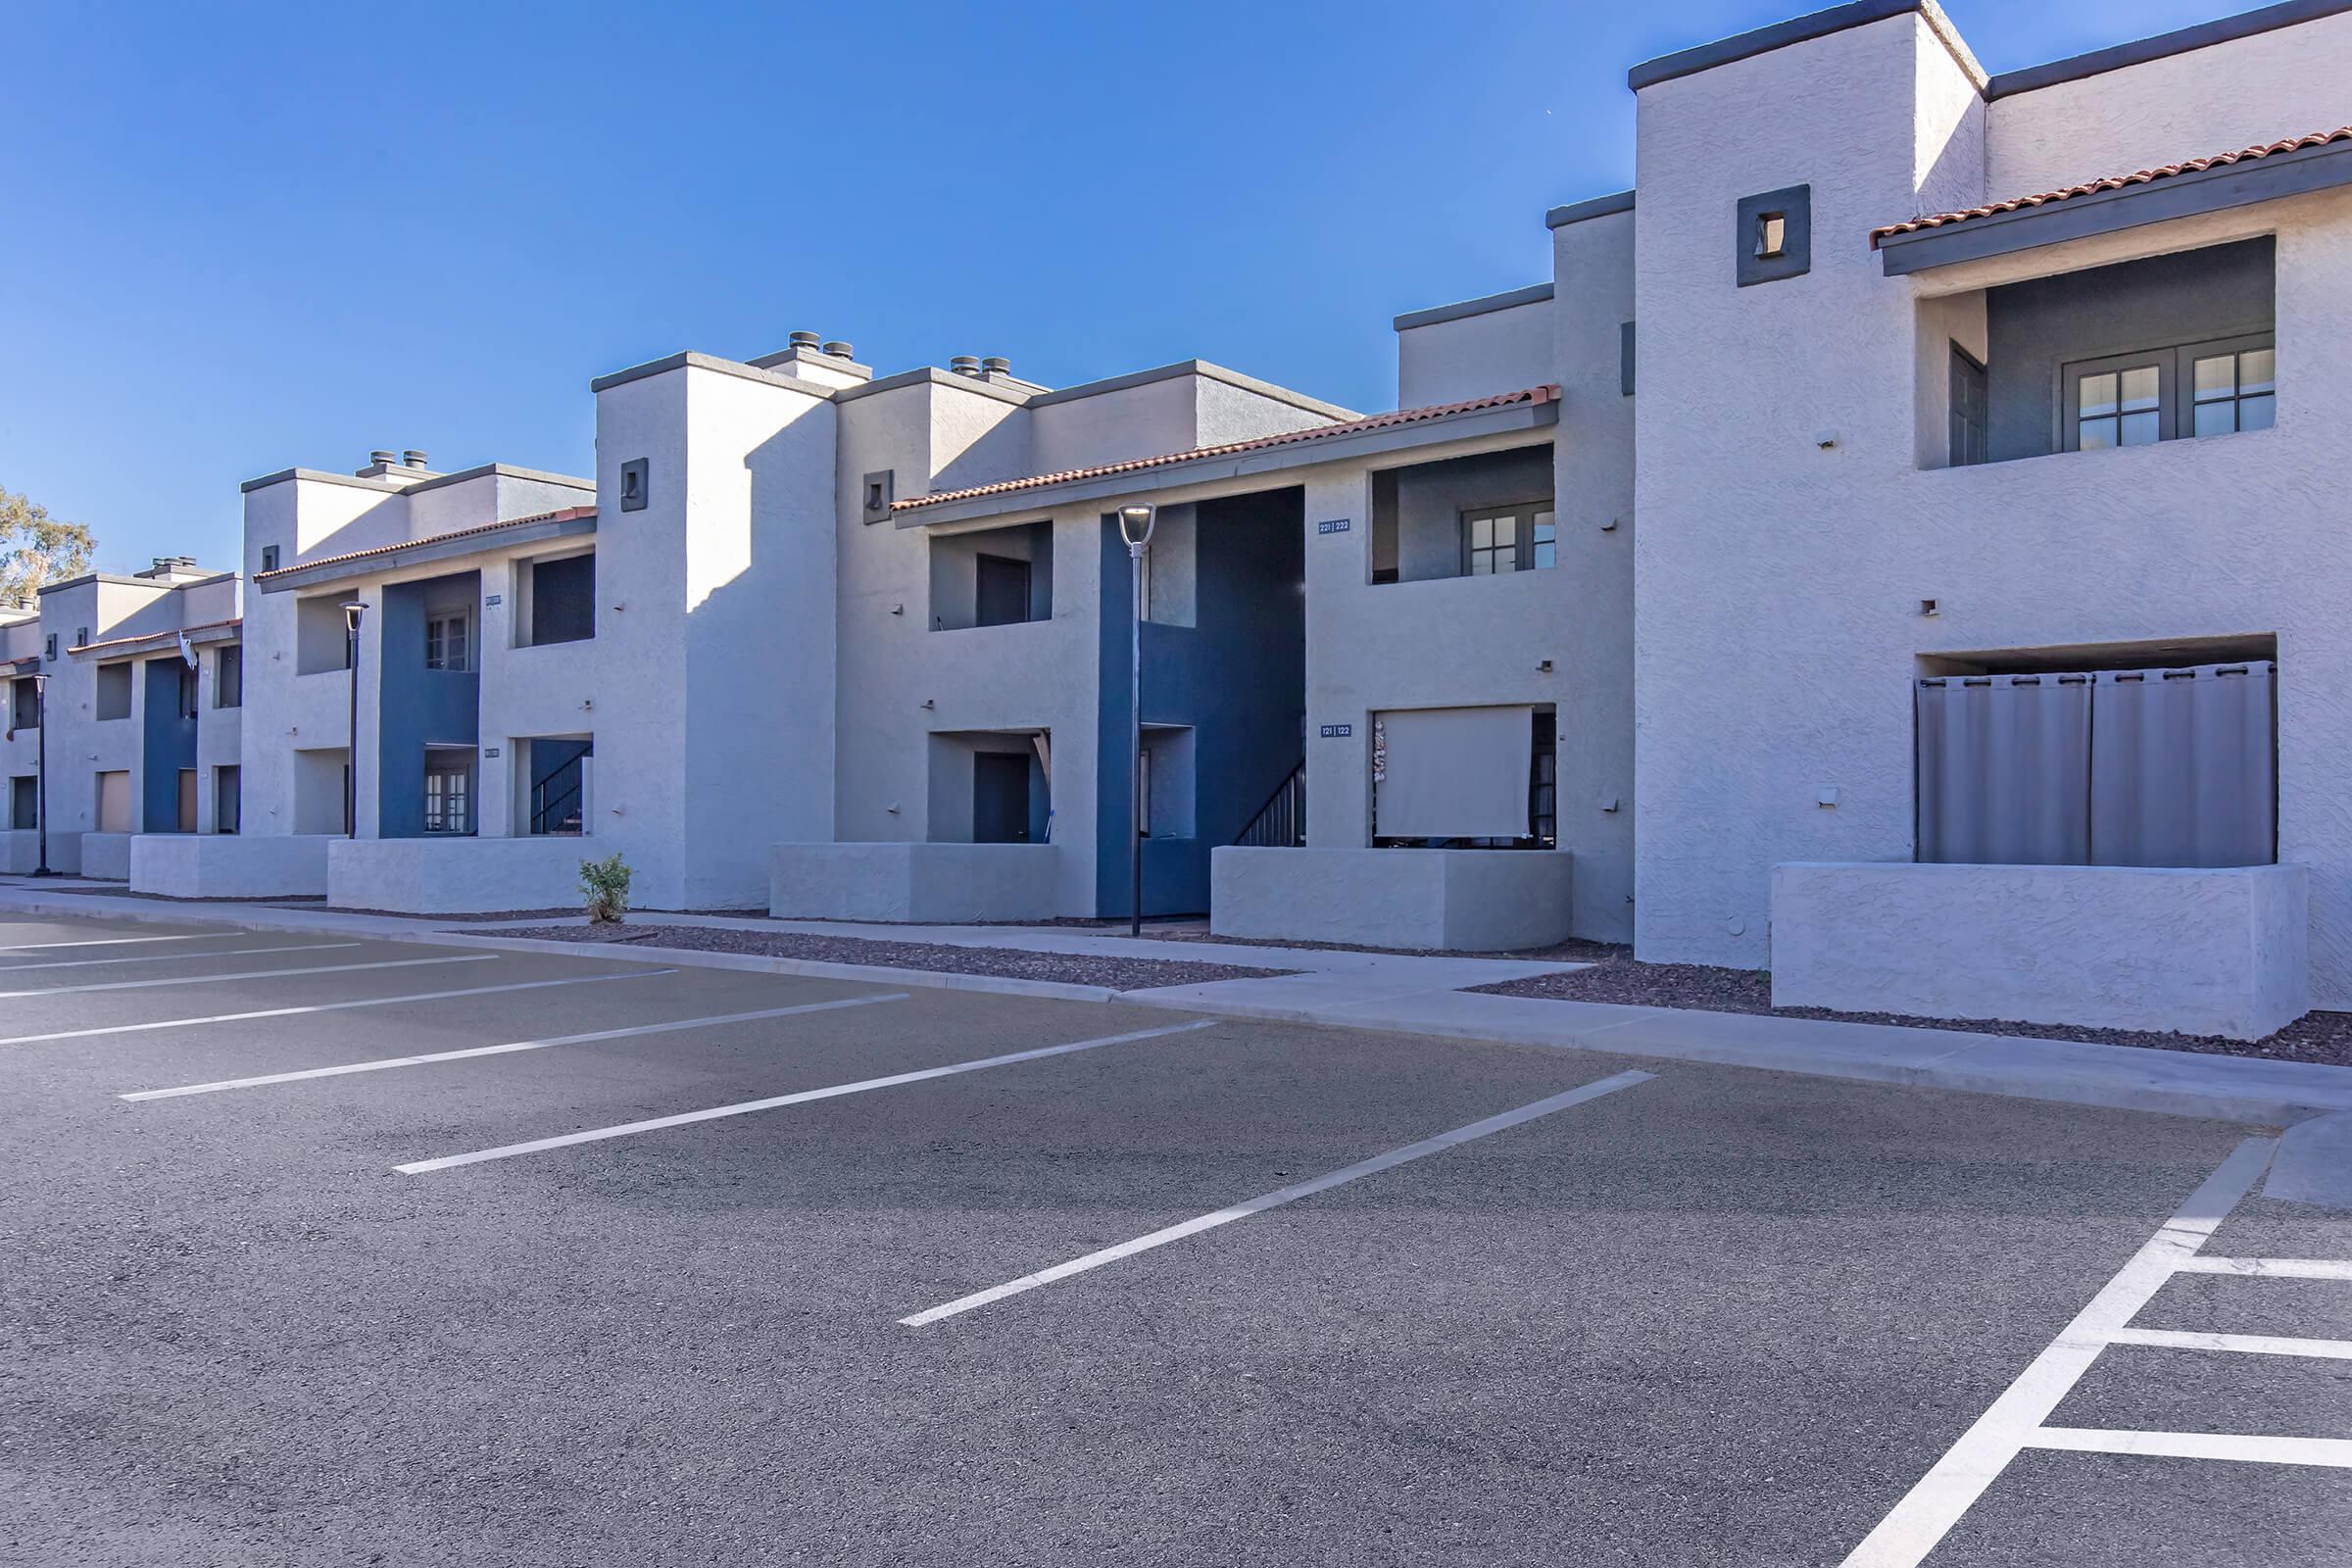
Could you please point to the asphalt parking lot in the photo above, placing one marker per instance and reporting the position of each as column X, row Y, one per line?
column 685, row 1266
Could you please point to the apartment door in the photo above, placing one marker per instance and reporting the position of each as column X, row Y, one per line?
column 1002, row 591
column 1000, row 797
column 187, row 801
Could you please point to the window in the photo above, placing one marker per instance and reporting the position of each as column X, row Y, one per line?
column 2195, row 389
column 25, row 703
column 2234, row 389
column 1968, row 409
column 25, row 801
column 1001, row 591
column 449, row 795
column 2119, row 408
column 563, row 599
column 229, row 799
column 228, row 677
column 114, row 692
column 1514, row 538
column 445, row 642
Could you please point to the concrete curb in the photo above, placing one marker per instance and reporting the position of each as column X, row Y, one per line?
column 810, row 968
column 2234, row 1089
column 2314, row 1163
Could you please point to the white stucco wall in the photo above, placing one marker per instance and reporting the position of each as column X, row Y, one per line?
column 1499, row 350
column 21, row 851
column 2201, row 952
column 184, row 866
column 2286, row 82
column 1489, row 901
column 105, row 856
column 458, row 876
column 1779, row 583
column 917, row 882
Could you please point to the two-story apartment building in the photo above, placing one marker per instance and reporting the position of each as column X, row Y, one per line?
column 1891, row 549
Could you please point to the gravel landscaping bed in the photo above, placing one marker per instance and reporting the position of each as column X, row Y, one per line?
column 1069, row 969
column 2319, row 1037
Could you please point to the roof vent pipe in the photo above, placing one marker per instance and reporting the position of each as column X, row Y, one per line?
column 965, row 365
column 804, row 340
column 997, row 364
column 840, row 350
column 387, row 458
column 412, row 457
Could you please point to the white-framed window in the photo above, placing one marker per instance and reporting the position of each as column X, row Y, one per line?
column 446, row 641
column 448, row 797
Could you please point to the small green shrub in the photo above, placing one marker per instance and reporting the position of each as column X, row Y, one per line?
column 606, row 883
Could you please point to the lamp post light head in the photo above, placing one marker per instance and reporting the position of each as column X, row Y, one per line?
column 1134, row 525
column 352, row 609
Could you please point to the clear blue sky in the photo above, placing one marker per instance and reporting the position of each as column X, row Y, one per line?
column 241, row 238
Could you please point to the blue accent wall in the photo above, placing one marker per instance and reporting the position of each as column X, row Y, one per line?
column 167, row 744
column 420, row 707
column 1237, row 676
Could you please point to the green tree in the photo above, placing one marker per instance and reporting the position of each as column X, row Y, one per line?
column 36, row 548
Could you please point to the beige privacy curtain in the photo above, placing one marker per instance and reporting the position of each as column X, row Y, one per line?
column 2005, row 765
column 1454, row 772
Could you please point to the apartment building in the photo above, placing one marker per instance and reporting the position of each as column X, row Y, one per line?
column 124, row 715
column 1891, row 549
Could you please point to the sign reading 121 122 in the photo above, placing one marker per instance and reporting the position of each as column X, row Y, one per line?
column 1335, row 732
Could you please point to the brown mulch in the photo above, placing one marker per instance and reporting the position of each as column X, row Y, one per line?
column 2325, row 1038
column 1068, row 968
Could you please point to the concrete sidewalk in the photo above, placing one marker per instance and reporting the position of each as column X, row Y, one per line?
column 1417, row 995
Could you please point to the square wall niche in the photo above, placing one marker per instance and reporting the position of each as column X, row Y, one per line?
column 992, row 576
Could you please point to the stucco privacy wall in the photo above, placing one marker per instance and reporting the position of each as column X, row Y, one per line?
column 1779, row 582
column 1471, row 355
column 458, row 875
column 2271, row 85
column 190, row 865
column 21, row 851
column 1489, row 901
column 2209, row 953
column 105, row 856
column 917, row 882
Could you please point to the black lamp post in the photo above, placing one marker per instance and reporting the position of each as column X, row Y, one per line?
column 353, row 610
column 1134, row 526
column 40, row 787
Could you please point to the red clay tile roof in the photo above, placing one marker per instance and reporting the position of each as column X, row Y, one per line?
column 171, row 635
column 1378, row 422
column 2318, row 138
column 564, row 516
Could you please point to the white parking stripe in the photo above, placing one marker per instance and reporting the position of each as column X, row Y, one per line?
column 1287, row 1195
column 327, row 1006
column 1930, row 1509
column 247, row 974
column 2276, row 1268
column 113, row 942
column 498, row 1051
column 745, row 1107
column 2335, row 1452
column 2248, row 1343
column 175, row 958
